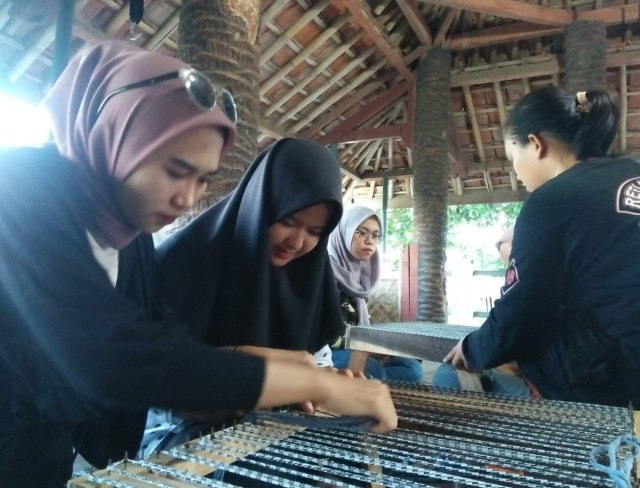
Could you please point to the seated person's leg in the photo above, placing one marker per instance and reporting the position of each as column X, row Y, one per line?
column 374, row 368
column 507, row 384
column 493, row 381
column 446, row 376
column 340, row 358
column 403, row 369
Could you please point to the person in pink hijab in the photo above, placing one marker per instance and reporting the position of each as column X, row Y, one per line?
column 137, row 137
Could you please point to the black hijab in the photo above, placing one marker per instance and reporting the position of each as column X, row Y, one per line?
column 215, row 273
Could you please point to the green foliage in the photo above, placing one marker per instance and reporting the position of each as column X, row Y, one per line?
column 483, row 214
column 465, row 217
column 399, row 230
column 399, row 227
column 400, row 220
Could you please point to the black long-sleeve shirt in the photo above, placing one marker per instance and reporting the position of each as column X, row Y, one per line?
column 74, row 350
column 570, row 310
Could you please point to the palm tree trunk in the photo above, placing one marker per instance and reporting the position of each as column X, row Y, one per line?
column 221, row 39
column 585, row 56
column 431, row 168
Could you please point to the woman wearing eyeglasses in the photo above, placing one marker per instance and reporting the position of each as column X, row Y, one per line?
column 353, row 249
column 84, row 352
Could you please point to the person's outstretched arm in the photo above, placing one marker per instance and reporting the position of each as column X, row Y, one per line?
column 286, row 383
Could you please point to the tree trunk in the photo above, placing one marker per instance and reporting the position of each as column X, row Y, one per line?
column 430, row 181
column 585, row 55
column 220, row 38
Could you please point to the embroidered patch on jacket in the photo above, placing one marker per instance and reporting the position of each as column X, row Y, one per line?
column 628, row 200
column 510, row 277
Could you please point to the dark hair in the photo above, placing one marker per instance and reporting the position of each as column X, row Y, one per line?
column 587, row 128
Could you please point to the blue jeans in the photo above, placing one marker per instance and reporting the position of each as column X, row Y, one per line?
column 395, row 369
column 493, row 381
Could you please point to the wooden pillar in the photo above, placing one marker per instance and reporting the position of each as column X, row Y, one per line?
column 431, row 169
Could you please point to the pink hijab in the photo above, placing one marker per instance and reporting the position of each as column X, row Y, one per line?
column 132, row 125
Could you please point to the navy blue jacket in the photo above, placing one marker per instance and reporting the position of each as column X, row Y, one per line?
column 570, row 310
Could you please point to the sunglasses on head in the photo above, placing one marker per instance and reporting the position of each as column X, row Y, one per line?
column 200, row 88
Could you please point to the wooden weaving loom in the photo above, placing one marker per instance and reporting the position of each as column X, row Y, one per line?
column 444, row 439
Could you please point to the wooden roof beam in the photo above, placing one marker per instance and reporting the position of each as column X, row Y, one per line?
column 391, row 174
column 310, row 98
column 292, row 31
column 471, row 110
column 444, row 26
column 272, row 10
column 512, row 9
column 624, row 106
column 335, row 114
column 298, row 87
column 416, row 21
column 35, row 51
column 372, row 133
column 516, row 31
column 500, row 166
column 372, row 108
column 163, row 33
column 364, row 160
column 305, row 53
column 269, row 130
column 363, row 16
column 613, row 15
column 342, row 93
column 503, row 73
column 352, row 174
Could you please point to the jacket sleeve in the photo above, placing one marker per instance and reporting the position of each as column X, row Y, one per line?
column 522, row 320
column 75, row 346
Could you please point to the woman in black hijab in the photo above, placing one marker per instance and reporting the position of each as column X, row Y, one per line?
column 228, row 276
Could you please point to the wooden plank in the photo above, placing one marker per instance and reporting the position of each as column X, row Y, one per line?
column 372, row 108
column 352, row 174
column 512, row 9
column 292, row 30
column 312, row 97
column 324, row 64
column 304, row 54
column 362, row 15
column 342, row 93
column 624, row 107
column 613, row 15
column 474, row 123
column 416, row 20
column 517, row 31
column 371, row 133
column 505, row 73
column 395, row 173
column 444, row 26
column 355, row 98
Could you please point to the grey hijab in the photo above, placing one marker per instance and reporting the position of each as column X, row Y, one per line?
column 357, row 278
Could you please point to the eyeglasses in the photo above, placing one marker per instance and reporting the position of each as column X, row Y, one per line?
column 365, row 234
column 198, row 85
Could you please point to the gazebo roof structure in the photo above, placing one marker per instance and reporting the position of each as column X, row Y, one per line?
column 342, row 71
